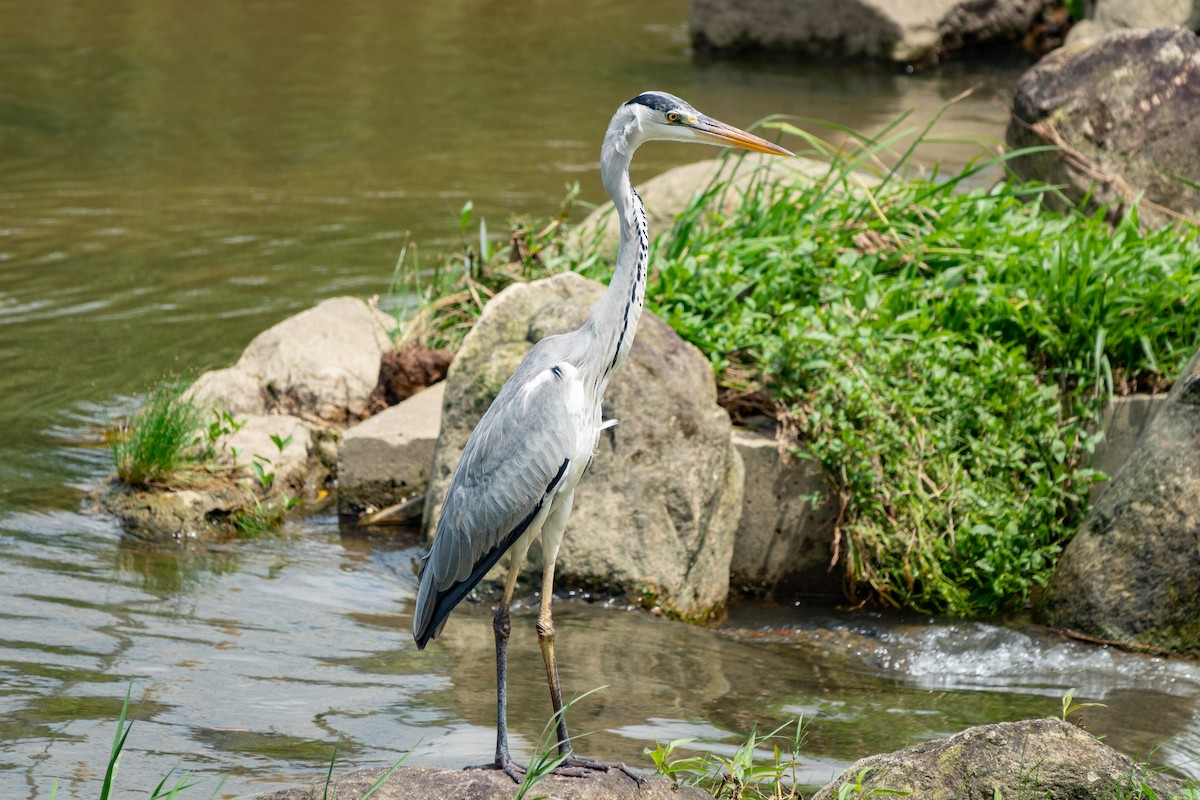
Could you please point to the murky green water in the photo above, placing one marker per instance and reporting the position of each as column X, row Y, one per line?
column 176, row 177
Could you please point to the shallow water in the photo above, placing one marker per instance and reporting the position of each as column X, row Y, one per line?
column 251, row 661
column 172, row 181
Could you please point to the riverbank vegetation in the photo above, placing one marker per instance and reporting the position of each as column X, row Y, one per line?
column 941, row 344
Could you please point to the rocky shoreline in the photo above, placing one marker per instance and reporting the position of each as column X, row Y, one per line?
column 677, row 483
column 1031, row 758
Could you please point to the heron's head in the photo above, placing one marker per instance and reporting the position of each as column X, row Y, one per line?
column 660, row 116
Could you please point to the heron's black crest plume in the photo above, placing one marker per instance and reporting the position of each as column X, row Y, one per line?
column 659, row 101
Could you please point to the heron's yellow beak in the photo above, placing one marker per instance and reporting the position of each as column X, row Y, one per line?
column 717, row 132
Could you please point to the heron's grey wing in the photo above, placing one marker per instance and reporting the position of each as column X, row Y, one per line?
column 509, row 469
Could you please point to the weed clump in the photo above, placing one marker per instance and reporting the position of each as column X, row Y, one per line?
column 158, row 446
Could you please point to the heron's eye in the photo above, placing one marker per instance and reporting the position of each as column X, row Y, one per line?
column 672, row 116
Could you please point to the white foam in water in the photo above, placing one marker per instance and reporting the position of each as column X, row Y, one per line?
column 980, row 655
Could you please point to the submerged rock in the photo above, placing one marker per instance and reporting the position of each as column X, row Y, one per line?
column 1122, row 117
column 162, row 514
column 1132, row 573
column 1031, row 758
column 900, row 32
column 655, row 514
column 424, row 783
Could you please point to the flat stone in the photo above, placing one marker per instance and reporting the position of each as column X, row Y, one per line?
column 784, row 541
column 386, row 459
column 1124, row 420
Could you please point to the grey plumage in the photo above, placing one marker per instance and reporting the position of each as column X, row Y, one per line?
column 511, row 471
column 518, row 472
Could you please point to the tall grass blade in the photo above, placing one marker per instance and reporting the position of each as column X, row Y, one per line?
column 114, row 756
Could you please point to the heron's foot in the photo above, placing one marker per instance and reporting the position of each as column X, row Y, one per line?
column 578, row 766
column 506, row 765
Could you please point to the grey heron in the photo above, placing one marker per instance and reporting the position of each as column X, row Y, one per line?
column 517, row 475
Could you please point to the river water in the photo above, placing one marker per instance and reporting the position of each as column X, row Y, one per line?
column 175, row 177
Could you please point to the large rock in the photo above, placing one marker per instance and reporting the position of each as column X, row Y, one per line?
column 901, row 31
column 1132, row 573
column 784, row 541
column 322, row 364
column 385, row 459
column 1032, row 758
column 654, row 516
column 1123, row 117
column 424, row 783
column 1106, row 16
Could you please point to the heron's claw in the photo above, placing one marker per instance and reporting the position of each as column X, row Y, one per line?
column 506, row 765
column 576, row 767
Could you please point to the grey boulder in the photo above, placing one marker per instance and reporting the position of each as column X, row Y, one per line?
column 1122, row 119
column 1030, row 758
column 890, row 30
column 1132, row 573
column 321, row 364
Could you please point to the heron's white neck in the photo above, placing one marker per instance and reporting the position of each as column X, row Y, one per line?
column 614, row 318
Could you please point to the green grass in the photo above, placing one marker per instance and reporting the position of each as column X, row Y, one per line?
column 941, row 347
column 941, row 353
column 174, row 442
column 159, row 444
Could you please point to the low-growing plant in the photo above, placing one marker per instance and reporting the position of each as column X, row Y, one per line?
column 546, row 756
column 1069, row 707
column 742, row 776
column 172, row 441
column 852, row 789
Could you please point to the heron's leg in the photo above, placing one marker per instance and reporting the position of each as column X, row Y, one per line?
column 502, row 626
column 545, row 629
column 552, row 535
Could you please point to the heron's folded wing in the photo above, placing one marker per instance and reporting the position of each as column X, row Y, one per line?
column 510, row 466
